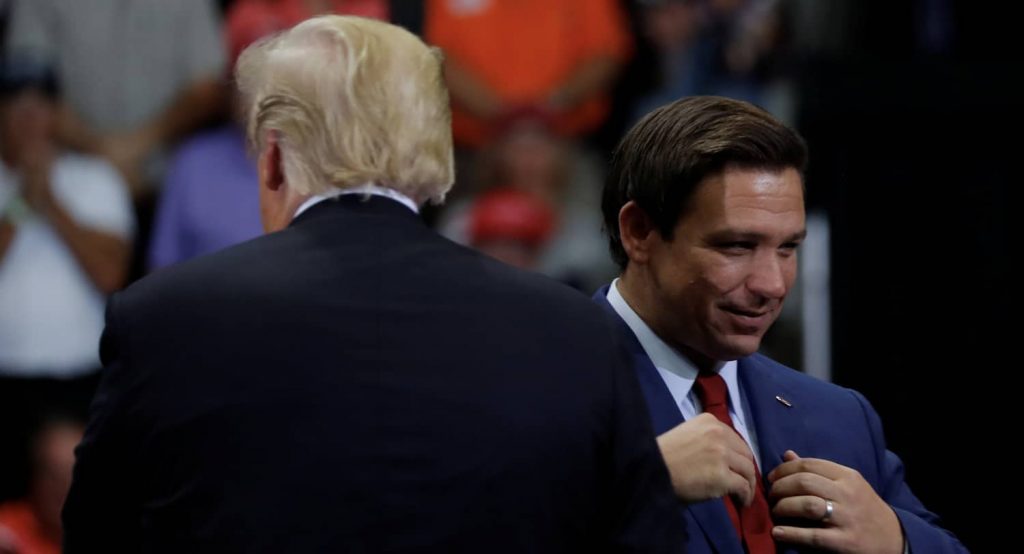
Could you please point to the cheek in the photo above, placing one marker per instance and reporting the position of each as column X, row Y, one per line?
column 725, row 277
column 789, row 272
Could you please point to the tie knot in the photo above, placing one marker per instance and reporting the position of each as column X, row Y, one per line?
column 711, row 390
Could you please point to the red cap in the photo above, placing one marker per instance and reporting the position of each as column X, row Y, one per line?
column 248, row 22
column 511, row 214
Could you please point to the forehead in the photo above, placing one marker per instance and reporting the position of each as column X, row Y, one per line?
column 741, row 197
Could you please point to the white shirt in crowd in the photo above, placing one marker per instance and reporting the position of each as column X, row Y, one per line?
column 51, row 314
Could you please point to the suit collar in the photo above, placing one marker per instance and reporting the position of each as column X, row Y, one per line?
column 664, row 413
column 356, row 204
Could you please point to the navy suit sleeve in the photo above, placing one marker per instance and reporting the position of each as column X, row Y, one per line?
column 649, row 519
column 920, row 527
column 100, row 513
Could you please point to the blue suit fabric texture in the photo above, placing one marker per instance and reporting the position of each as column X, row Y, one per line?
column 358, row 383
column 823, row 421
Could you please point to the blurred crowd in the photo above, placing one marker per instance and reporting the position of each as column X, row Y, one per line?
column 122, row 152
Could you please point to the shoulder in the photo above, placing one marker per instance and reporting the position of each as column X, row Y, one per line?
column 787, row 375
column 522, row 290
column 842, row 402
column 204, row 277
column 401, row 264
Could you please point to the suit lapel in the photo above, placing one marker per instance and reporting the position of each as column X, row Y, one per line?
column 710, row 515
column 779, row 427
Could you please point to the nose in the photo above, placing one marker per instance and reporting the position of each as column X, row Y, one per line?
column 771, row 275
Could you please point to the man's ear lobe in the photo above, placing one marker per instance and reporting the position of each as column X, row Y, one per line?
column 636, row 231
column 271, row 167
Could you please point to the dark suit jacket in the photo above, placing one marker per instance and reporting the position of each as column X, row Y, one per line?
column 824, row 421
column 356, row 383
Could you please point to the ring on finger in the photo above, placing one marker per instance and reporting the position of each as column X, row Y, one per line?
column 829, row 510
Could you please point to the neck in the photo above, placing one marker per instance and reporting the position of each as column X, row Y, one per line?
column 637, row 292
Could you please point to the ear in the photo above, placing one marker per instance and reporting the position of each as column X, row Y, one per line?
column 637, row 232
column 270, row 169
column 274, row 195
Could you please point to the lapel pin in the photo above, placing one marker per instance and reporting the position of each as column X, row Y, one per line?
column 784, row 402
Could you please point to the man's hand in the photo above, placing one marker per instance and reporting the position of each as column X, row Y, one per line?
column 860, row 522
column 708, row 459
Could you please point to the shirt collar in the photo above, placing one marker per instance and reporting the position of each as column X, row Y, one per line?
column 667, row 358
column 366, row 188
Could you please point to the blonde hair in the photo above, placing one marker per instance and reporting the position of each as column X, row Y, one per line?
column 350, row 101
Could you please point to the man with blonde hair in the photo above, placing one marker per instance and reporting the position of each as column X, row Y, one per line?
column 353, row 382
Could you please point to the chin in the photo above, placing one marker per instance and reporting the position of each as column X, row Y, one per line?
column 739, row 347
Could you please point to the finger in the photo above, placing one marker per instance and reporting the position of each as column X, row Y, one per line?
column 743, row 466
column 817, row 538
column 790, row 456
column 825, row 468
column 805, row 507
column 739, row 487
column 804, row 484
column 733, row 440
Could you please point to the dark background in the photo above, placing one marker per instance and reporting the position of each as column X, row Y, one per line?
column 913, row 154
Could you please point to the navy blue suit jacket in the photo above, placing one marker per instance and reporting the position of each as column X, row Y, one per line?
column 825, row 421
column 358, row 383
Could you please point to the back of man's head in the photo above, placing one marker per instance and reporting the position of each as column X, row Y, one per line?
column 351, row 101
column 667, row 154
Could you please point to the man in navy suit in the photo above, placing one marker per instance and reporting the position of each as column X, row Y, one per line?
column 705, row 211
column 352, row 381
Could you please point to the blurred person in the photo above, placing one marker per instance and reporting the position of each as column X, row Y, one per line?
column 282, row 14
column 528, row 155
column 32, row 525
column 137, row 74
column 286, row 13
column 705, row 212
column 352, row 380
column 209, row 199
column 565, row 58
column 66, row 227
column 721, row 47
column 511, row 225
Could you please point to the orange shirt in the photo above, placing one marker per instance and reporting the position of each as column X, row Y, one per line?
column 524, row 49
column 18, row 519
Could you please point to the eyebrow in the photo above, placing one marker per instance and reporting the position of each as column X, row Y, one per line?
column 727, row 235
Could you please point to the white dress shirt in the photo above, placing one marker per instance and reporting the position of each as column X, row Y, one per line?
column 368, row 189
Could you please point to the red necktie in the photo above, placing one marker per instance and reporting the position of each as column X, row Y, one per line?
column 753, row 523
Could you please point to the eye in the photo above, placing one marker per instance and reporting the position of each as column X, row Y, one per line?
column 737, row 247
column 789, row 248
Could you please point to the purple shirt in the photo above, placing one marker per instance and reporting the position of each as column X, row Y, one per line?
column 210, row 199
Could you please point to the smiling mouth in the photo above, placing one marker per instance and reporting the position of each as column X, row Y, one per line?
column 746, row 313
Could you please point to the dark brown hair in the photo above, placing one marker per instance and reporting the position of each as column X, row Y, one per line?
column 663, row 158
